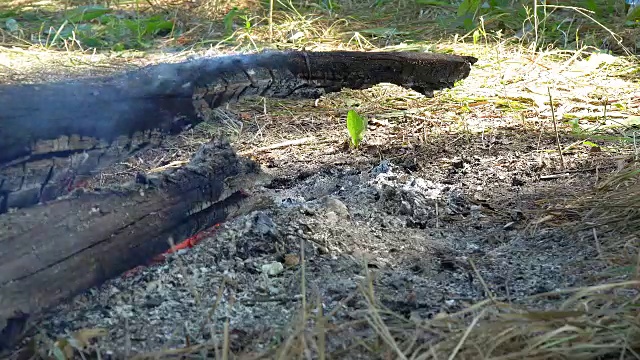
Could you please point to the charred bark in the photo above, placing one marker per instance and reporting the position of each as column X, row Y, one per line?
column 53, row 134
column 52, row 252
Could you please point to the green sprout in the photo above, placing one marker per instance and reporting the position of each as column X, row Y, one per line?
column 356, row 125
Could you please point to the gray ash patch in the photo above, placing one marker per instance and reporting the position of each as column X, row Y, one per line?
column 418, row 238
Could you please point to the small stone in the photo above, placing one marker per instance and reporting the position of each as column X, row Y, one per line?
column 332, row 217
column 457, row 163
column 383, row 167
column 307, row 210
column 113, row 290
column 263, row 224
column 517, row 182
column 291, row 238
column 405, row 208
column 152, row 286
column 274, row 290
column 273, row 268
column 335, row 205
column 153, row 302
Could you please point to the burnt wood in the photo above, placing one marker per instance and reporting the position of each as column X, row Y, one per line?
column 52, row 135
column 54, row 251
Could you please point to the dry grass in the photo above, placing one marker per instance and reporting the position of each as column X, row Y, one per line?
column 597, row 321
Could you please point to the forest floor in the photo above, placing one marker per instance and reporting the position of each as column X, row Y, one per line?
column 473, row 224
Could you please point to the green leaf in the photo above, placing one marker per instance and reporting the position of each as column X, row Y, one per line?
column 156, row 24
column 230, row 17
column 621, row 270
column 634, row 14
column 476, row 37
column 575, row 125
column 434, row 3
column 86, row 13
column 619, row 106
column 468, row 7
column 93, row 42
column 468, row 23
column 118, row 47
column 356, row 125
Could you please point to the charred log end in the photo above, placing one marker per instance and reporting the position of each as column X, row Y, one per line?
column 332, row 71
column 300, row 74
column 103, row 120
column 105, row 234
column 57, row 166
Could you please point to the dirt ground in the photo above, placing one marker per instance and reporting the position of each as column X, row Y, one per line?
column 447, row 198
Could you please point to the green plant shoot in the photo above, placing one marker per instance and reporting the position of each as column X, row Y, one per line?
column 356, row 125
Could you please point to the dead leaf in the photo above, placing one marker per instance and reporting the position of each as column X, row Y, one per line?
column 291, row 260
column 82, row 338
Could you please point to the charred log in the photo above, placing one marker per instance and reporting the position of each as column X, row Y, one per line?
column 52, row 252
column 51, row 135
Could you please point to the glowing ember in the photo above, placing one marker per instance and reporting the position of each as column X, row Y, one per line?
column 185, row 244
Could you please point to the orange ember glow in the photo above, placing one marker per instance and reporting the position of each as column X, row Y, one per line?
column 185, row 244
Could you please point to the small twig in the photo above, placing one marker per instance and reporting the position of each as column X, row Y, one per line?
column 127, row 339
column 466, row 334
column 638, row 265
column 554, row 176
column 303, row 290
column 598, row 248
column 173, row 164
column 301, row 141
column 211, row 312
column 635, row 146
column 303, row 282
column 484, row 284
column 271, row 20
column 183, row 270
column 320, row 328
column 225, row 340
column 576, row 171
column 274, row 299
column 555, row 128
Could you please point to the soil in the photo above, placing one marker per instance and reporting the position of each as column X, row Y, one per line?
column 441, row 203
